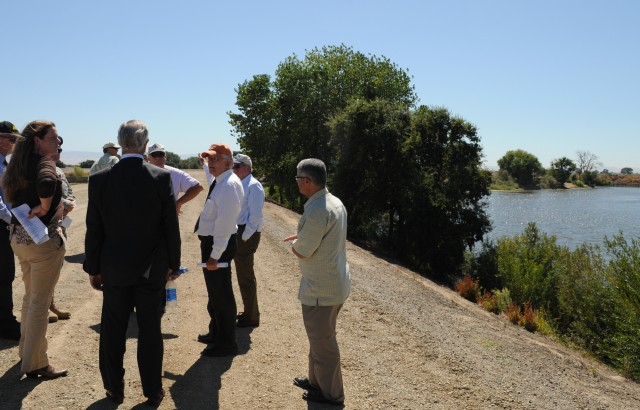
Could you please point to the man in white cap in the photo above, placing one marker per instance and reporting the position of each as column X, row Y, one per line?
column 109, row 159
column 249, row 228
column 182, row 182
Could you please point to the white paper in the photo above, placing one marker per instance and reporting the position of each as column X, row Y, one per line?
column 34, row 226
column 220, row 264
column 66, row 222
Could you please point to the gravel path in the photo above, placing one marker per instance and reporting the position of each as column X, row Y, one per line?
column 406, row 343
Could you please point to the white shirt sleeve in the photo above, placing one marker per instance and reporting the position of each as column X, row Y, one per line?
column 255, row 196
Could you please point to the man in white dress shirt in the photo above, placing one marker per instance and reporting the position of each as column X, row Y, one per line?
column 216, row 229
column 249, row 227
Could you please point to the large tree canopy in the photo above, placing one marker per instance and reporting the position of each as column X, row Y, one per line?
column 283, row 121
column 410, row 178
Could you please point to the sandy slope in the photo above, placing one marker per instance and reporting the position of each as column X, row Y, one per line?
column 406, row 343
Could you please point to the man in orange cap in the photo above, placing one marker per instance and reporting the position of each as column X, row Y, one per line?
column 216, row 229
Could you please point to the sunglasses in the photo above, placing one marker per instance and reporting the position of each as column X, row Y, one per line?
column 11, row 139
column 158, row 154
column 237, row 166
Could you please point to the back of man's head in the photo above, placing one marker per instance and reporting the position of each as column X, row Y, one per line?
column 133, row 135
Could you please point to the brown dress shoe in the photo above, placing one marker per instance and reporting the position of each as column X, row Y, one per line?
column 53, row 318
column 62, row 314
column 48, row 372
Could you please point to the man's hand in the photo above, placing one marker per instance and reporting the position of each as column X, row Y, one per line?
column 96, row 282
column 178, row 206
column 212, row 264
column 170, row 275
column 37, row 211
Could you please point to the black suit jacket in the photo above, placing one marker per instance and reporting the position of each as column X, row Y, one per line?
column 132, row 224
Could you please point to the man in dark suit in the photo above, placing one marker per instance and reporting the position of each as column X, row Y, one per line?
column 132, row 248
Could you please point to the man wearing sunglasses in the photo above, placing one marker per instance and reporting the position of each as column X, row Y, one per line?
column 9, row 326
column 109, row 159
column 325, row 282
column 182, row 182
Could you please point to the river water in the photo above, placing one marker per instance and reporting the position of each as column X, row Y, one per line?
column 574, row 216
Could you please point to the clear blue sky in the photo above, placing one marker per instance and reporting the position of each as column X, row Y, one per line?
column 547, row 76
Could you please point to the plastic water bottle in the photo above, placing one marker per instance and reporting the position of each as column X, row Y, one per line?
column 172, row 294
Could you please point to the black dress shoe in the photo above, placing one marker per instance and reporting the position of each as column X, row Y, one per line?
column 317, row 397
column 117, row 398
column 206, row 338
column 155, row 400
column 304, row 383
column 244, row 322
column 220, row 351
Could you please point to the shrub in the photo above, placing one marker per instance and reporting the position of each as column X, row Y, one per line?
column 489, row 302
column 485, row 266
column 528, row 318
column 78, row 175
column 467, row 287
column 513, row 313
column 503, row 299
column 527, row 266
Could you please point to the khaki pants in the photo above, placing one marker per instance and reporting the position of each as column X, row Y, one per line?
column 324, row 354
column 41, row 265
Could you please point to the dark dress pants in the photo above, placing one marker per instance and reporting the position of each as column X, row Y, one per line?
column 116, row 308
column 222, row 304
column 7, row 275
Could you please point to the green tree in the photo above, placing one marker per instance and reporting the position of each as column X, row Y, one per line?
column 368, row 138
column 445, row 184
column 190, row 163
column 626, row 171
column 523, row 166
column 562, row 168
column 173, row 160
column 285, row 120
column 87, row 163
column 430, row 215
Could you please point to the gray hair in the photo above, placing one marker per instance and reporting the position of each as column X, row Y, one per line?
column 133, row 135
column 313, row 169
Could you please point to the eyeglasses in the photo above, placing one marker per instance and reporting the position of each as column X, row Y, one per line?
column 216, row 158
column 11, row 139
column 237, row 166
column 297, row 177
column 157, row 154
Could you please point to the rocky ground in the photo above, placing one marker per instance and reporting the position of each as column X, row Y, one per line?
column 406, row 343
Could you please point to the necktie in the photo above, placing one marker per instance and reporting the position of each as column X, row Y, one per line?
column 213, row 184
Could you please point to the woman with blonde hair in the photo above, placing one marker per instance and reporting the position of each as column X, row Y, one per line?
column 31, row 179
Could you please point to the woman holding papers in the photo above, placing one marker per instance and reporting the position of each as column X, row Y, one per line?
column 31, row 179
